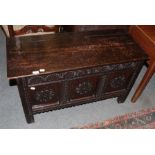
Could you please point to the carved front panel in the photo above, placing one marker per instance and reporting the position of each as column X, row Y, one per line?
column 119, row 80
column 83, row 87
column 44, row 94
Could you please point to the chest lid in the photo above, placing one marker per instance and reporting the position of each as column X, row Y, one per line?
column 69, row 51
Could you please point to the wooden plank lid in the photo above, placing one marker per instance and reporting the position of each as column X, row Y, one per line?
column 69, row 51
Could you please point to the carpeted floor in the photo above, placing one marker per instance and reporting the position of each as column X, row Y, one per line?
column 144, row 119
column 12, row 116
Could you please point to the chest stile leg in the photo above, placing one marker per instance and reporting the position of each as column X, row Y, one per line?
column 22, row 87
column 64, row 98
column 101, row 87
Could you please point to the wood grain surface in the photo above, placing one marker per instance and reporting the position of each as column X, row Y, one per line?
column 69, row 51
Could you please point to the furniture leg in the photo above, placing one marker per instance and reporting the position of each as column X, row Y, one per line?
column 122, row 98
column 26, row 106
column 144, row 82
column 29, row 118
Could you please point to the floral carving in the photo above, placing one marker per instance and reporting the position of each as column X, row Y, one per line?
column 78, row 73
column 44, row 95
column 118, row 82
column 84, row 88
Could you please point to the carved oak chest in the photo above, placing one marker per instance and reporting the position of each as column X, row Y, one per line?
column 67, row 69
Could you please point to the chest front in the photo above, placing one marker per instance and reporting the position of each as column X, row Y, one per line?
column 78, row 68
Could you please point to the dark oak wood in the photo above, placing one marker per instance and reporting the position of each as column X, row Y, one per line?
column 69, row 51
column 79, row 67
column 78, row 28
column 27, row 107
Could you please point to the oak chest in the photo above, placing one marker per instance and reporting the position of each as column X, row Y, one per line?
column 66, row 69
